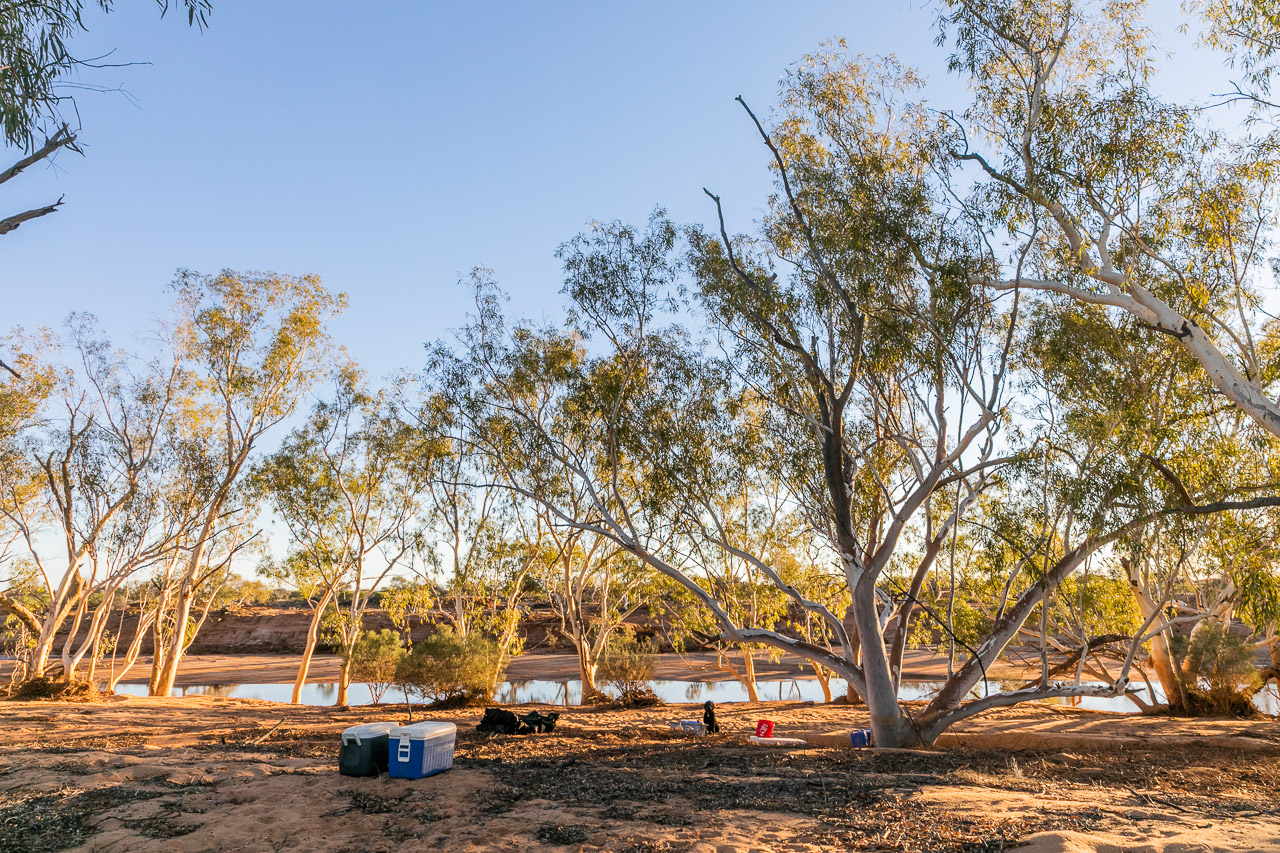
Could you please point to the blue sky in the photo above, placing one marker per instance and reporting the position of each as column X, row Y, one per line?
column 390, row 147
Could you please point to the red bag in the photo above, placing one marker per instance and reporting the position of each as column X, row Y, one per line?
column 764, row 728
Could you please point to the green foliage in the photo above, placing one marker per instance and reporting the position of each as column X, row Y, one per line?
column 629, row 665
column 18, row 643
column 35, row 57
column 405, row 600
column 448, row 668
column 375, row 659
column 240, row 591
column 1220, row 668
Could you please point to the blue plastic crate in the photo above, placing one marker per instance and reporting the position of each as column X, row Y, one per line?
column 421, row 750
column 860, row 737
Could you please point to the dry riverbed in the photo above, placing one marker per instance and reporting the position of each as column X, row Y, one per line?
column 197, row 774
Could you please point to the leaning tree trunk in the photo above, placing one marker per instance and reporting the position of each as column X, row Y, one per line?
column 64, row 598
column 824, row 681
column 747, row 677
column 1161, row 655
column 308, row 649
column 131, row 655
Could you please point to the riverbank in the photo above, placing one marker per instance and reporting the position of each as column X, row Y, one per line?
column 918, row 665
column 209, row 774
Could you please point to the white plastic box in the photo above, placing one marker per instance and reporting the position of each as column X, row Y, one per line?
column 421, row 749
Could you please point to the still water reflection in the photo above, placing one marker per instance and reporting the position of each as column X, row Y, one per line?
column 570, row 693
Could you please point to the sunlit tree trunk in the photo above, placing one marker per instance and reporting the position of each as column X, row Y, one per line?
column 308, row 648
column 1162, row 661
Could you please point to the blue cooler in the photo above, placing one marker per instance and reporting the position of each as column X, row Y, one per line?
column 422, row 749
column 860, row 737
column 364, row 749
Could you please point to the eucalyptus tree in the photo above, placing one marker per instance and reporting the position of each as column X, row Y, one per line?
column 591, row 583
column 863, row 367
column 1116, row 198
column 872, row 360
column 762, row 526
column 37, row 65
column 86, row 480
column 251, row 346
column 1131, row 440
column 26, row 385
column 1248, row 32
column 1111, row 195
column 349, row 484
column 489, row 544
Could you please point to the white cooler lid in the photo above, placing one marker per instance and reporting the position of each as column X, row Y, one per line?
column 366, row 730
column 424, row 731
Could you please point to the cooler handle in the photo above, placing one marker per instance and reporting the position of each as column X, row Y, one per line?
column 403, row 749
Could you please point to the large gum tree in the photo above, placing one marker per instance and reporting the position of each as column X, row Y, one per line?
column 849, row 356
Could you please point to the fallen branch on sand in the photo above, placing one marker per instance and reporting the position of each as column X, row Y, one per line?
column 257, row 741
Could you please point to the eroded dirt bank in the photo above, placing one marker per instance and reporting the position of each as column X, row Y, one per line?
column 186, row 775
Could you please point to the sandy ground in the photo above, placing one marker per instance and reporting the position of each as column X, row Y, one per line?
column 211, row 774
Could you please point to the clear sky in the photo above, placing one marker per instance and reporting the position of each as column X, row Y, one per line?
column 389, row 147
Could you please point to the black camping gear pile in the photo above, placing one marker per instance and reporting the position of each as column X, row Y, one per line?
column 502, row 722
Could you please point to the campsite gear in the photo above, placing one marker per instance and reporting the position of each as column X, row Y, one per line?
column 422, row 749
column 498, row 721
column 777, row 741
column 764, row 728
column 709, row 717
column 364, row 749
column 690, row 726
column 535, row 722
column 860, row 737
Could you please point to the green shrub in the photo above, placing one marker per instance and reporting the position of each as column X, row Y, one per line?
column 628, row 666
column 448, row 668
column 375, row 659
column 1219, row 669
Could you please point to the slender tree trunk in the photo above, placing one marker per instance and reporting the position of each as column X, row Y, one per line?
column 176, row 642
column 749, row 674
column 589, row 654
column 313, row 633
column 344, row 680
column 97, row 627
column 63, row 598
column 131, row 656
column 824, row 681
column 70, row 663
column 157, row 656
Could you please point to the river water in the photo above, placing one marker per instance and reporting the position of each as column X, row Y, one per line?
column 570, row 693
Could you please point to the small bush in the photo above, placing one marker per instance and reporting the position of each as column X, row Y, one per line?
column 628, row 666
column 448, row 668
column 54, row 688
column 375, row 659
column 1220, row 670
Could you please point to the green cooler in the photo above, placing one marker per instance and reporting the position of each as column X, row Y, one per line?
column 364, row 749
